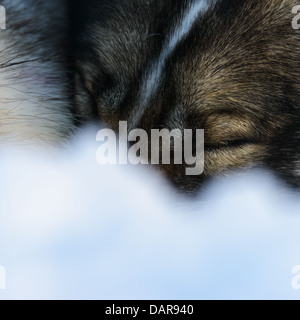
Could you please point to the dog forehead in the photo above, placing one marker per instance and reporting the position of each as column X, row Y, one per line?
column 127, row 35
column 121, row 50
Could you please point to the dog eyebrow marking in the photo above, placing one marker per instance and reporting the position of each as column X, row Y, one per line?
column 152, row 79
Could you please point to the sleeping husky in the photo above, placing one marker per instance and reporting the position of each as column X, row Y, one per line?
column 35, row 87
column 231, row 67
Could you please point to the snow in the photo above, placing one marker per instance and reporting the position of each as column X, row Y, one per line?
column 72, row 229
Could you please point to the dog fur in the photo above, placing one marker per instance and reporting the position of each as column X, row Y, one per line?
column 233, row 71
column 35, row 84
column 230, row 67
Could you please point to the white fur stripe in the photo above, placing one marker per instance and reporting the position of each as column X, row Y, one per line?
column 153, row 77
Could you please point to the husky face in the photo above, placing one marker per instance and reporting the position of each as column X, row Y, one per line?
column 230, row 67
column 35, row 88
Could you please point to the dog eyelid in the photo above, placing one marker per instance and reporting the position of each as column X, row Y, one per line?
column 234, row 143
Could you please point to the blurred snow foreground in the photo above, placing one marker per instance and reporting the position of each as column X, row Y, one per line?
column 72, row 229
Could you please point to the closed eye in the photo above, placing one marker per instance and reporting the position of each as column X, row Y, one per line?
column 237, row 143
